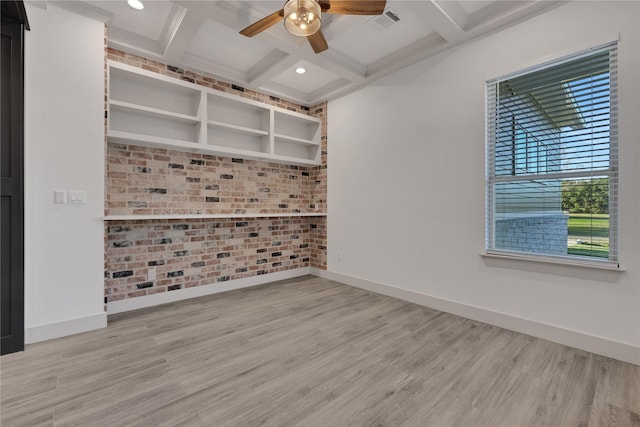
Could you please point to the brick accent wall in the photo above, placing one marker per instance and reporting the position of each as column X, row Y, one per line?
column 146, row 181
column 195, row 252
column 318, row 242
column 187, row 253
column 318, row 187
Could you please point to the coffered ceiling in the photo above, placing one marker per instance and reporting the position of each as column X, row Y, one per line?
column 203, row 36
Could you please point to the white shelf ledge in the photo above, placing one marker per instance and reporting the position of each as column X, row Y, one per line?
column 294, row 139
column 212, row 216
column 293, row 160
column 287, row 114
column 221, row 150
column 236, row 128
column 128, row 107
column 153, row 141
column 217, row 150
column 175, row 144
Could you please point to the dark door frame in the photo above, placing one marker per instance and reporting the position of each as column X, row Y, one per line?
column 13, row 23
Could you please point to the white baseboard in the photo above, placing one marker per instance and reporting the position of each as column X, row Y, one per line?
column 594, row 344
column 62, row 329
column 198, row 291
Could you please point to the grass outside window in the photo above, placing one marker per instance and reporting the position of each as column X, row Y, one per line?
column 588, row 235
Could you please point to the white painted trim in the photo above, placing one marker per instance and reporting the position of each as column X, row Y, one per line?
column 617, row 350
column 212, row 216
column 62, row 329
column 198, row 291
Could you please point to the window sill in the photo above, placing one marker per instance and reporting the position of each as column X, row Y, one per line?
column 599, row 265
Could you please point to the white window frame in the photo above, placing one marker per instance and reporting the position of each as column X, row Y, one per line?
column 612, row 173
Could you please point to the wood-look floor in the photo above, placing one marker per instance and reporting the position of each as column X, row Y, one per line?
column 311, row 352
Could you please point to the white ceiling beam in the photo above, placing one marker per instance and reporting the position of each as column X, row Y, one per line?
column 454, row 10
column 269, row 67
column 172, row 25
column 335, row 62
column 286, row 92
column 213, row 69
column 450, row 23
column 328, row 90
column 441, row 18
column 297, row 47
column 408, row 55
column 493, row 15
column 337, row 25
column 184, row 26
column 120, row 39
column 83, row 8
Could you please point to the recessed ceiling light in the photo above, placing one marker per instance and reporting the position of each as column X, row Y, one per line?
column 300, row 70
column 136, row 4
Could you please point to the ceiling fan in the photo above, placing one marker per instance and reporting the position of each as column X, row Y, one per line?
column 303, row 17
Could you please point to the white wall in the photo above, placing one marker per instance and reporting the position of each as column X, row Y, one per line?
column 64, row 149
column 406, row 187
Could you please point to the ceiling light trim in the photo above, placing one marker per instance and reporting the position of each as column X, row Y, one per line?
column 135, row 4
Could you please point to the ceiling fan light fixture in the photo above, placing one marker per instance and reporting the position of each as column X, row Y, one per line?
column 302, row 17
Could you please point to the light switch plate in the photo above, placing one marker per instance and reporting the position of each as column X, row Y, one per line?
column 77, row 197
column 59, row 196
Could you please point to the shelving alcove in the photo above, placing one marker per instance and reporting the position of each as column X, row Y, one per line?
column 151, row 109
column 154, row 110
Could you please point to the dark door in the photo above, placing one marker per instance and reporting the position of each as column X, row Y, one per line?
column 12, row 27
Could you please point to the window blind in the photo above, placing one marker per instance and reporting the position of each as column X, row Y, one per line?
column 552, row 168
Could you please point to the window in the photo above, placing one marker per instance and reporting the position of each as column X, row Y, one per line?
column 552, row 167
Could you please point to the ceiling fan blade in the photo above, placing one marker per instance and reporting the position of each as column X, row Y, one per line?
column 318, row 42
column 353, row 7
column 263, row 24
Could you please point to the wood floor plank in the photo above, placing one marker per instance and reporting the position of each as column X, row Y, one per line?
column 310, row 352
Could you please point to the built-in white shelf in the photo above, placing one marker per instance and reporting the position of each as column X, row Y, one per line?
column 152, row 141
column 128, row 107
column 293, row 139
column 236, row 128
column 151, row 109
column 292, row 160
column 212, row 216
